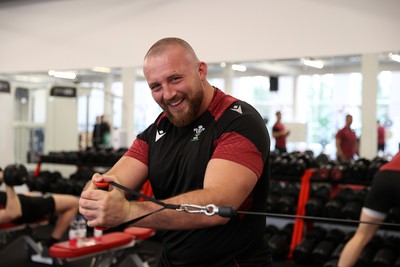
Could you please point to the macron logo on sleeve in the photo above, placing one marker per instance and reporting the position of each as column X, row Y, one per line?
column 160, row 134
column 237, row 108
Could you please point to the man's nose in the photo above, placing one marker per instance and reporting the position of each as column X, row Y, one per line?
column 169, row 92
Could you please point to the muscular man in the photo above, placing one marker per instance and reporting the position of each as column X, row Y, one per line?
column 206, row 147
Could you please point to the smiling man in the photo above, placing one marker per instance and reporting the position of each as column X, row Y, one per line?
column 206, row 147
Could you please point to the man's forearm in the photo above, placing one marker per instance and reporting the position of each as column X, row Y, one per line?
column 171, row 219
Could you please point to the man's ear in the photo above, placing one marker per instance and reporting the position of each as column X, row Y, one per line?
column 203, row 69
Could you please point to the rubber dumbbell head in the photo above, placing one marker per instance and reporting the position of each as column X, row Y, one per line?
column 15, row 174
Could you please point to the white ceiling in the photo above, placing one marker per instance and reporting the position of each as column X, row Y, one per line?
column 73, row 34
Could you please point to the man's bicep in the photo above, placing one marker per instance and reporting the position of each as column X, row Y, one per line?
column 230, row 181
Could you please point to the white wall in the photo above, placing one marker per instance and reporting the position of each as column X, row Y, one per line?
column 7, row 129
column 61, row 124
column 41, row 35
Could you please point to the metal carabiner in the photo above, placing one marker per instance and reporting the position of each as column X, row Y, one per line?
column 208, row 210
column 211, row 210
column 190, row 208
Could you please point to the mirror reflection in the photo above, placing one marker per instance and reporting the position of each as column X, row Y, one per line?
column 313, row 95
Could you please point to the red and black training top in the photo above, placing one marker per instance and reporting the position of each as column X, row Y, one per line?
column 385, row 188
column 177, row 158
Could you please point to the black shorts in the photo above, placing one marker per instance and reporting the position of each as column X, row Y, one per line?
column 35, row 208
column 385, row 192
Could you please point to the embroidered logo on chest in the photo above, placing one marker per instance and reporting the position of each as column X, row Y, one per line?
column 197, row 131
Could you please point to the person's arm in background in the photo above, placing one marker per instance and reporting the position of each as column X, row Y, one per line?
column 357, row 146
column 276, row 132
column 13, row 208
column 364, row 234
column 339, row 150
column 339, row 147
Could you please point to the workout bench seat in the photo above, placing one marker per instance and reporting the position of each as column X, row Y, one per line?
column 91, row 245
column 116, row 244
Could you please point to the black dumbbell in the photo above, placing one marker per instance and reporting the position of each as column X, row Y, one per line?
column 352, row 208
column 393, row 215
column 323, row 250
column 369, row 251
column 321, row 160
column 270, row 230
column 15, row 174
column 297, row 166
column 340, row 172
column 331, row 263
column 325, row 170
column 334, row 206
column 302, row 252
column 317, row 201
column 359, row 169
column 387, row 255
column 287, row 203
column 279, row 243
column 276, row 190
column 334, row 258
column 376, row 163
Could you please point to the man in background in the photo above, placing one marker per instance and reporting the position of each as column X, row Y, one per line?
column 101, row 131
column 346, row 141
column 381, row 138
column 280, row 133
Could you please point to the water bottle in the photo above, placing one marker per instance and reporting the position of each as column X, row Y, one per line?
column 82, row 227
column 77, row 231
column 73, row 232
column 97, row 234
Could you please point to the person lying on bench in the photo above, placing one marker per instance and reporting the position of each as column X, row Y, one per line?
column 22, row 208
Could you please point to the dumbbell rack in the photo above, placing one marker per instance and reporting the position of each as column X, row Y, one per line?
column 312, row 176
column 75, row 184
column 78, row 164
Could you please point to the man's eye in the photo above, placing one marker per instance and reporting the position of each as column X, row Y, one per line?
column 155, row 87
column 174, row 79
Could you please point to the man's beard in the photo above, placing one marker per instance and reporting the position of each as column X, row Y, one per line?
column 181, row 118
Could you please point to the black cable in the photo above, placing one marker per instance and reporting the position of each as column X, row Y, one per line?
column 229, row 211
column 138, row 194
column 313, row 218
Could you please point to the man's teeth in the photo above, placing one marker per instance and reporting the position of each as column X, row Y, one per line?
column 175, row 103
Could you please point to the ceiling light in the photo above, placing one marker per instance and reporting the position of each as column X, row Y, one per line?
column 101, row 69
column 62, row 74
column 394, row 57
column 318, row 64
column 23, row 78
column 237, row 67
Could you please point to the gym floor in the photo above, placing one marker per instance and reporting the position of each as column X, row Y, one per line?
column 15, row 254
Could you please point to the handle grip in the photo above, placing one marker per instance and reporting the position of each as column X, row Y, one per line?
column 102, row 185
